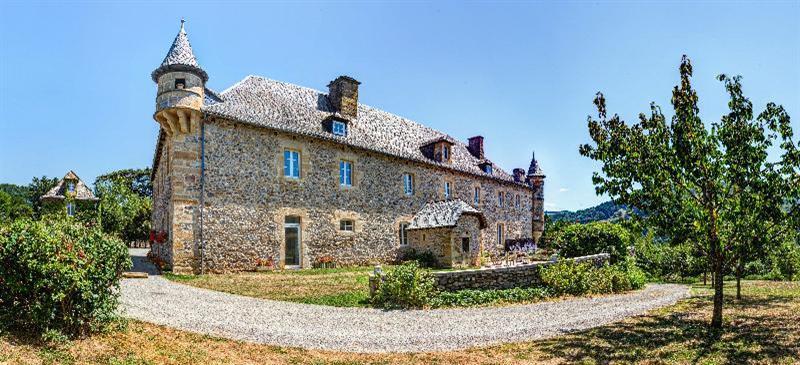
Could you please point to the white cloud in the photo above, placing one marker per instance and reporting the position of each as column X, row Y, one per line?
column 550, row 205
column 563, row 190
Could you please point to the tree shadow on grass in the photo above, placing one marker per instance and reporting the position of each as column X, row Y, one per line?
column 757, row 329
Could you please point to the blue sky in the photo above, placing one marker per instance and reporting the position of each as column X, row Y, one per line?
column 75, row 90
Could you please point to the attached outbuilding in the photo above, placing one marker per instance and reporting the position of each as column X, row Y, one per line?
column 451, row 230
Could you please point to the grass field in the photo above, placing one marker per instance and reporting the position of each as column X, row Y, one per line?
column 762, row 328
column 345, row 287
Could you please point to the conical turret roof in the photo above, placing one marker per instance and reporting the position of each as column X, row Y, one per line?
column 180, row 58
column 534, row 169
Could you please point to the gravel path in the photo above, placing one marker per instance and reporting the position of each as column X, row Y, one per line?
column 161, row 301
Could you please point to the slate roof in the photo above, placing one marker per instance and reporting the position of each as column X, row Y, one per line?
column 534, row 169
column 58, row 192
column 180, row 58
column 443, row 213
column 298, row 110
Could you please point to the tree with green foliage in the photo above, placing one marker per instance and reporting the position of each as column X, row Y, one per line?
column 125, row 203
column 38, row 187
column 14, row 202
column 689, row 179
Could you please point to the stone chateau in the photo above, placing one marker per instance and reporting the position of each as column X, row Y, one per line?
column 267, row 173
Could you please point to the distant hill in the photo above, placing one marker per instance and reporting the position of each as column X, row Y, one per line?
column 602, row 212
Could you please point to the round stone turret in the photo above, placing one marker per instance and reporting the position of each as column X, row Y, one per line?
column 181, row 88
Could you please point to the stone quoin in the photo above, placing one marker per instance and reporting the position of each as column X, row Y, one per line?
column 271, row 173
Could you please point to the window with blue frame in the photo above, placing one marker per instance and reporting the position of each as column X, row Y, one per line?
column 447, row 190
column 339, row 128
column 477, row 197
column 291, row 164
column 408, row 184
column 345, row 173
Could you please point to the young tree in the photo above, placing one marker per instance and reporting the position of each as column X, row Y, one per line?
column 125, row 203
column 38, row 187
column 694, row 181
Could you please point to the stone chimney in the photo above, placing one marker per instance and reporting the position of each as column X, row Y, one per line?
column 343, row 95
column 476, row 146
column 519, row 175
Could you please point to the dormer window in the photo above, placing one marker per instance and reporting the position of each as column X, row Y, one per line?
column 445, row 152
column 487, row 168
column 71, row 186
column 180, row 84
column 339, row 128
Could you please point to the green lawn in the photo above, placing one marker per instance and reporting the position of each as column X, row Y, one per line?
column 343, row 287
column 763, row 328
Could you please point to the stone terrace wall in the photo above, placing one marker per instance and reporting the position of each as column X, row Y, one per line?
column 502, row 277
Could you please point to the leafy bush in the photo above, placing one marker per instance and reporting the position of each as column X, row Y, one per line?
column 58, row 276
column 567, row 277
column 784, row 262
column 469, row 297
column 636, row 276
column 405, row 286
column 424, row 259
column 594, row 238
column 668, row 262
column 571, row 278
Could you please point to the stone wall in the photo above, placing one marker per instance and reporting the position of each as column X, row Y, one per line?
column 502, row 277
column 161, row 205
column 445, row 242
column 247, row 199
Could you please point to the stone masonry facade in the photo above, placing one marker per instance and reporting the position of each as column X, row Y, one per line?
column 222, row 197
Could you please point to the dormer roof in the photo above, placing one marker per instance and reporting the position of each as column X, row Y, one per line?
column 59, row 192
column 444, row 213
column 180, row 58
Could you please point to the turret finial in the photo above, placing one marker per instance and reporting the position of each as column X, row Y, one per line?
column 182, row 21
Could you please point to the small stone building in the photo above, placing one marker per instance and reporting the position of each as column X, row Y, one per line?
column 271, row 173
column 451, row 230
column 70, row 196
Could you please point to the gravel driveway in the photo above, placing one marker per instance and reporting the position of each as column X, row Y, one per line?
column 161, row 301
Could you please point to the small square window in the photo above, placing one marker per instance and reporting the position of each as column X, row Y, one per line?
column 339, row 128
column 346, row 225
column 180, row 83
column 487, row 168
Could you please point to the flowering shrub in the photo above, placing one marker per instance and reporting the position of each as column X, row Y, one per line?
column 59, row 276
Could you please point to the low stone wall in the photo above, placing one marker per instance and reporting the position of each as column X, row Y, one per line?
column 502, row 277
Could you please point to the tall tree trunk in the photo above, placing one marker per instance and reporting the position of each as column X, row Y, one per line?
column 705, row 277
column 717, row 263
column 716, row 318
column 739, row 270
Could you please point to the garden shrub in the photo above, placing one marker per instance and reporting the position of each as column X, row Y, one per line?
column 593, row 238
column 567, row 277
column 425, row 258
column 59, row 276
column 405, row 286
column 471, row 297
